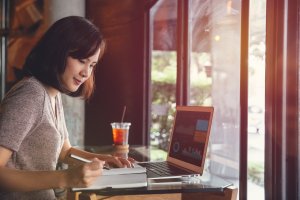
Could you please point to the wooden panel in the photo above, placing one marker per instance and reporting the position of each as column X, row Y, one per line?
column 230, row 193
column 119, row 77
column 132, row 197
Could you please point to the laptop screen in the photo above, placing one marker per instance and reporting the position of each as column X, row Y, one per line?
column 190, row 135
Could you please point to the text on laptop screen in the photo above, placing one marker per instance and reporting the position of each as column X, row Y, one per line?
column 189, row 136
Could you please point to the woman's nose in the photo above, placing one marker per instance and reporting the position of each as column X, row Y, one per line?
column 85, row 72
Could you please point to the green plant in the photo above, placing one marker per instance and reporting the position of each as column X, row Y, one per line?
column 164, row 92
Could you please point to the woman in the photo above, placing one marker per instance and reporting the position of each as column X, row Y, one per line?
column 33, row 134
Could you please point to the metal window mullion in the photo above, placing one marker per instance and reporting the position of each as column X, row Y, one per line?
column 182, row 81
column 148, row 27
column 4, row 30
column 244, row 100
column 274, row 100
column 291, row 86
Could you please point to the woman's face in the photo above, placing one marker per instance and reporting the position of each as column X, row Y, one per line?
column 78, row 71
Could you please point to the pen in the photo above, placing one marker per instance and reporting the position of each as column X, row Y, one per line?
column 85, row 160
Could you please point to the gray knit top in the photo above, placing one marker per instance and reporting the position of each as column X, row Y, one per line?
column 31, row 130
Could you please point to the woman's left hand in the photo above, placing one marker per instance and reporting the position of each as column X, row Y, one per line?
column 117, row 161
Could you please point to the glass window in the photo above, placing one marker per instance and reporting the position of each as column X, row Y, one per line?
column 163, row 19
column 215, row 76
column 214, row 34
column 256, row 99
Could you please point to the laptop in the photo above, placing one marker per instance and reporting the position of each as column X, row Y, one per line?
column 188, row 144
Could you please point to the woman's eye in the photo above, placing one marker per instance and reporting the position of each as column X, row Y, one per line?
column 82, row 61
column 92, row 66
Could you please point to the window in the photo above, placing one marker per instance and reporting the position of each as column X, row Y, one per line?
column 163, row 72
column 209, row 59
column 256, row 99
column 214, row 76
column 210, row 75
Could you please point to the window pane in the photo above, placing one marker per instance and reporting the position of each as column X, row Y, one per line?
column 163, row 72
column 256, row 99
column 215, row 77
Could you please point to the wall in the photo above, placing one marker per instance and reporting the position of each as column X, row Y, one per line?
column 74, row 107
column 119, row 77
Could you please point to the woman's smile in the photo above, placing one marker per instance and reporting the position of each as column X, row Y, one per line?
column 77, row 82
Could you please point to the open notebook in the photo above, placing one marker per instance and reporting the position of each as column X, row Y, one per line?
column 119, row 178
column 188, row 144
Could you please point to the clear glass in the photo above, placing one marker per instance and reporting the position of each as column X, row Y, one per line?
column 215, row 28
column 256, row 99
column 163, row 72
column 214, row 57
column 120, row 131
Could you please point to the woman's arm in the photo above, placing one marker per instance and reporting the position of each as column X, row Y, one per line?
column 114, row 160
column 21, row 180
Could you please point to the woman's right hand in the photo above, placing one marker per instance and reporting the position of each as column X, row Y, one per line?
column 84, row 175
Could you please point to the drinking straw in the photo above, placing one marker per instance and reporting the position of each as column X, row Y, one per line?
column 124, row 110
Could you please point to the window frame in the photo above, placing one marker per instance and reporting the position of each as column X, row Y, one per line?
column 282, row 73
column 243, row 186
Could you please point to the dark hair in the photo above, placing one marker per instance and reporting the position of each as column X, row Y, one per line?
column 70, row 36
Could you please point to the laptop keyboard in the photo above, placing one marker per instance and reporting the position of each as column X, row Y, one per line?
column 164, row 169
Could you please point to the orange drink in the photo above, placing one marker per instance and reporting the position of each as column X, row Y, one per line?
column 120, row 131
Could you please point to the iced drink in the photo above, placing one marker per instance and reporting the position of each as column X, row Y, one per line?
column 120, row 132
